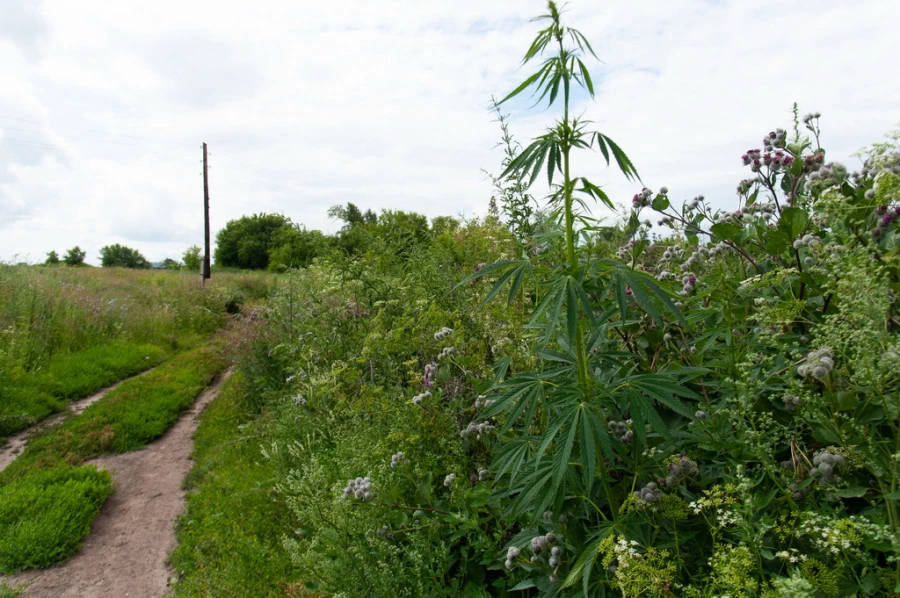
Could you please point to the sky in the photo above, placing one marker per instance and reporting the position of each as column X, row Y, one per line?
column 386, row 104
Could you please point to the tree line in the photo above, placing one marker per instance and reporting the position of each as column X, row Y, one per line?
column 274, row 242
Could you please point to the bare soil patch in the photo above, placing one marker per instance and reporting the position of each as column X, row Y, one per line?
column 125, row 555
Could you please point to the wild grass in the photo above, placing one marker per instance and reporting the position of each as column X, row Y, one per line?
column 49, row 310
column 48, row 500
column 230, row 535
column 31, row 396
column 44, row 517
column 134, row 414
column 67, row 332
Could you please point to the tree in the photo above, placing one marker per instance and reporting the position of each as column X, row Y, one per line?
column 74, row 257
column 52, row 259
column 192, row 258
column 295, row 247
column 119, row 256
column 247, row 241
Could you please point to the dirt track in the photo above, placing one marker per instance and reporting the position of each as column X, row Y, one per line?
column 134, row 532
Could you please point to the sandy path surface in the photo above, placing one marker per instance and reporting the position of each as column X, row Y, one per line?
column 17, row 442
column 135, row 530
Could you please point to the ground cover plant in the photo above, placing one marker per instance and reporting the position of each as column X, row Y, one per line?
column 230, row 534
column 572, row 408
column 50, row 499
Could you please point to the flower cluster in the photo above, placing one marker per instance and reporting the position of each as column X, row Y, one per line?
column 541, row 543
column 642, row 199
column 775, row 139
column 797, row 492
column 398, row 459
column 807, row 240
column 885, row 216
column 478, row 430
column 681, row 470
column 430, row 368
column 621, row 430
column 649, row 493
column 447, row 352
column 448, row 479
column 512, row 552
column 825, row 463
column 443, row 333
column 689, row 281
column 417, row 400
column 359, row 488
column 483, row 402
column 818, row 364
column 791, row 402
column 774, row 161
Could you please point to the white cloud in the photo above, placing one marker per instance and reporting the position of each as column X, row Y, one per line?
column 385, row 104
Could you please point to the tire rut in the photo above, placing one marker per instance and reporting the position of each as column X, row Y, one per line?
column 125, row 554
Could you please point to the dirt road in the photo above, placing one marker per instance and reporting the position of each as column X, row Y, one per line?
column 135, row 531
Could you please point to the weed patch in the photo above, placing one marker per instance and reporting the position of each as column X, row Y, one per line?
column 32, row 396
column 44, row 517
column 230, row 535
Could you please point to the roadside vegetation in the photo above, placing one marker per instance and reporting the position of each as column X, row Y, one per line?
column 48, row 499
column 67, row 332
column 694, row 401
column 688, row 400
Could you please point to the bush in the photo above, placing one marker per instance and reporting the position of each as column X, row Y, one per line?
column 119, row 256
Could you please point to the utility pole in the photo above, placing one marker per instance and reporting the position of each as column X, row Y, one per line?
column 204, row 269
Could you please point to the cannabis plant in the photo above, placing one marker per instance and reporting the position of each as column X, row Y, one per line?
column 574, row 429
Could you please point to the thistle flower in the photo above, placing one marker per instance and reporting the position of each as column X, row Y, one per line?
column 359, row 488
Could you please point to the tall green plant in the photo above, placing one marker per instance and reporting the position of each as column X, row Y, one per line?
column 561, row 449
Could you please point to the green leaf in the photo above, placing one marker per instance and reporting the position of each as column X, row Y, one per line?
column 851, row 492
column 523, row 585
column 793, row 221
column 726, row 230
column 660, row 203
column 522, row 87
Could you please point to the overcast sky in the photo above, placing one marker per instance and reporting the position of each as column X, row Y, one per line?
column 384, row 103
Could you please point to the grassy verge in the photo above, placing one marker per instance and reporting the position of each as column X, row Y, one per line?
column 48, row 502
column 30, row 397
column 230, row 535
column 45, row 516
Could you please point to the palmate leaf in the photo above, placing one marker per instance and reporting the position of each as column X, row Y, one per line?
column 512, row 456
column 583, row 567
column 589, row 188
column 513, row 272
column 645, row 291
column 665, row 390
column 606, row 146
column 518, row 396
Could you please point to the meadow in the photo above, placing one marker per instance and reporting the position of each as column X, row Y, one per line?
column 688, row 400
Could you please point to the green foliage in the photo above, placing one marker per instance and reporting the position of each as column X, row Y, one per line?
column 29, row 397
column 247, row 242
column 192, row 258
column 52, row 259
column 119, row 256
column 74, row 257
column 229, row 538
column 711, row 411
column 296, row 247
column 45, row 517
column 138, row 411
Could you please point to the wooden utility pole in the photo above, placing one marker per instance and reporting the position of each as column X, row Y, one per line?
column 204, row 274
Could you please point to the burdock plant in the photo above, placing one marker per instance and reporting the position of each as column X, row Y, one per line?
column 555, row 449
